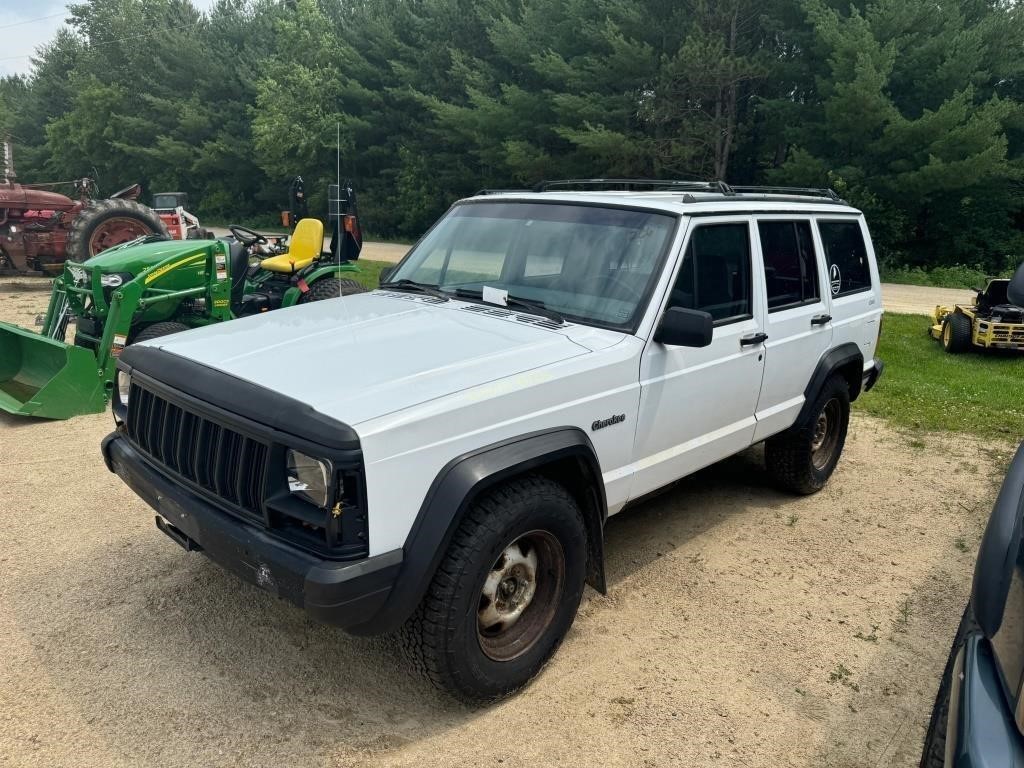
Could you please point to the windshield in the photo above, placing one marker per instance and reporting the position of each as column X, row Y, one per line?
column 590, row 264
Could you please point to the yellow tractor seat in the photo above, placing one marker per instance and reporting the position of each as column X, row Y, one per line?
column 305, row 245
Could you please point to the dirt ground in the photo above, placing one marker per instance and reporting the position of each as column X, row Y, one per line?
column 742, row 627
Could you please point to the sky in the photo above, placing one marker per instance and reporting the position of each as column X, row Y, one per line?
column 23, row 29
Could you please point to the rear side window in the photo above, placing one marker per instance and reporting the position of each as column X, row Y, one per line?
column 790, row 267
column 848, row 269
column 715, row 275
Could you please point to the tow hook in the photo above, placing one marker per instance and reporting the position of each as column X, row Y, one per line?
column 178, row 535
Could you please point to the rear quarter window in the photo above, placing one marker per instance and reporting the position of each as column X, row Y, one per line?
column 846, row 257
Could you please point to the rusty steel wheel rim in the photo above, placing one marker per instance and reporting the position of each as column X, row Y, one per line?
column 520, row 595
column 115, row 231
column 825, row 437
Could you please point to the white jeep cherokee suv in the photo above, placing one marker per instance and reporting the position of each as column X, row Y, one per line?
column 440, row 456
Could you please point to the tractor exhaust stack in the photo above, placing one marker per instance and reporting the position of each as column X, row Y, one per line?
column 9, row 175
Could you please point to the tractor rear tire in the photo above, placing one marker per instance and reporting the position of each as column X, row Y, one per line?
column 330, row 288
column 106, row 223
column 156, row 330
column 956, row 333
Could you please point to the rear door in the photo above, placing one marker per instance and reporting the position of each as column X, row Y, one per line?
column 853, row 282
column 798, row 322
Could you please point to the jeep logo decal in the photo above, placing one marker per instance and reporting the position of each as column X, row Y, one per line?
column 835, row 278
column 602, row 423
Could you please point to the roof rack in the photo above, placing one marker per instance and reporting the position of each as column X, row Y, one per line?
column 792, row 191
column 626, row 185
column 685, row 186
column 500, row 191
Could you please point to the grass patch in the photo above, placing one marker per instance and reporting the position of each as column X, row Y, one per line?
column 923, row 387
column 368, row 275
column 841, row 674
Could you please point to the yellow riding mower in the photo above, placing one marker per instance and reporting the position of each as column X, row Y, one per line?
column 994, row 321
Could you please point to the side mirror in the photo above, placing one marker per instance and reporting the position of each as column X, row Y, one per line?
column 385, row 274
column 1015, row 290
column 680, row 327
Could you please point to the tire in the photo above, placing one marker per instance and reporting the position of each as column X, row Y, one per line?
column 802, row 459
column 330, row 288
column 957, row 331
column 934, row 753
column 456, row 636
column 106, row 223
column 156, row 330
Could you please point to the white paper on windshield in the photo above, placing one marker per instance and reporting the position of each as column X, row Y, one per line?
column 495, row 296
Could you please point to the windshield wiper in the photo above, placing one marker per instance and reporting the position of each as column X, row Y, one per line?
column 533, row 307
column 412, row 285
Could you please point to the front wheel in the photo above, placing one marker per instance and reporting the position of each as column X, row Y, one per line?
column 156, row 330
column 802, row 459
column 330, row 288
column 505, row 593
column 956, row 333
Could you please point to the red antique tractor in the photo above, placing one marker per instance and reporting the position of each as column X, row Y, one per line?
column 40, row 229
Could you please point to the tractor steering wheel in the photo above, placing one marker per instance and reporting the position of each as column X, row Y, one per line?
column 246, row 236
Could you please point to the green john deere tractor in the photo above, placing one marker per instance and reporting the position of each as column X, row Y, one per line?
column 152, row 287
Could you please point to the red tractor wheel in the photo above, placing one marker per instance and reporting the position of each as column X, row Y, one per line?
column 106, row 223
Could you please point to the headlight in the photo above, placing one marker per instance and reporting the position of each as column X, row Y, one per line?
column 307, row 477
column 124, row 386
column 113, row 281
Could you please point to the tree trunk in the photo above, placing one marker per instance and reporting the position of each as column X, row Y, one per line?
column 723, row 146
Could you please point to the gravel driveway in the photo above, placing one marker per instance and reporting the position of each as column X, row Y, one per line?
column 921, row 299
column 742, row 627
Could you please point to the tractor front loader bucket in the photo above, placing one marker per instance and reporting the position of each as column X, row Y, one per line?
column 44, row 377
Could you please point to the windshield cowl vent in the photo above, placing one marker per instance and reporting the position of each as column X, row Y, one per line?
column 498, row 312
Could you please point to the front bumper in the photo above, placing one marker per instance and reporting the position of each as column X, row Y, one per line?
column 871, row 374
column 344, row 594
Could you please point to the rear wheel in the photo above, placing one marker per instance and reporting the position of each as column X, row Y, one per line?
column 956, row 333
column 156, row 330
column 802, row 459
column 330, row 288
column 106, row 223
column 505, row 593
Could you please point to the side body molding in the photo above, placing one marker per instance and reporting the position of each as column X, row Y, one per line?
column 565, row 454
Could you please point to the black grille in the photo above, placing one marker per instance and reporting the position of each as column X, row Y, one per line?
column 219, row 460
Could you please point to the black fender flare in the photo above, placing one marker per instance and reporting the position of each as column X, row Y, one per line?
column 467, row 476
column 846, row 359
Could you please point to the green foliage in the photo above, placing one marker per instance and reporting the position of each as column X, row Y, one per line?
column 925, row 388
column 955, row 276
column 910, row 110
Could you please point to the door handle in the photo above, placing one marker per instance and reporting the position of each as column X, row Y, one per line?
column 753, row 338
column 821, row 319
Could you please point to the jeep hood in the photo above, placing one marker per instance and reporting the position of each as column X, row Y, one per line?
column 369, row 355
